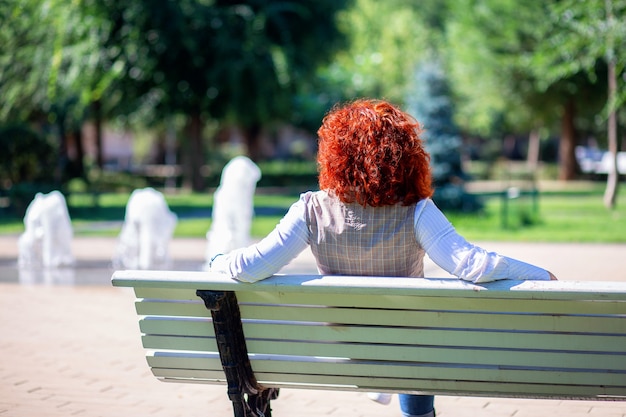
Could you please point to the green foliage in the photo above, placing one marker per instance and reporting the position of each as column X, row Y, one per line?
column 50, row 62
column 510, row 65
column 25, row 58
column 479, row 75
column 513, row 64
column 487, row 41
column 584, row 32
column 577, row 37
column 236, row 61
column 26, row 156
column 381, row 52
column 28, row 163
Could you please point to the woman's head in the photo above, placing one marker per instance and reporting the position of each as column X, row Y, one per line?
column 370, row 152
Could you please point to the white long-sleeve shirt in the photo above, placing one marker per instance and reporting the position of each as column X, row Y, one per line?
column 433, row 233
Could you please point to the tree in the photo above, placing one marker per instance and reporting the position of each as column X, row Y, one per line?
column 582, row 38
column 238, row 63
column 507, row 48
column 381, row 53
column 384, row 40
column 51, row 67
column 26, row 161
column 610, row 195
column 590, row 35
column 430, row 102
column 482, row 43
column 24, row 65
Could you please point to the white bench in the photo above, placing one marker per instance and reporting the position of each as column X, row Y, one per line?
column 534, row 339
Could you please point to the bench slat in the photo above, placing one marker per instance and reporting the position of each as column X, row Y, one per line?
column 415, row 318
column 321, row 284
column 442, row 318
column 591, row 306
column 351, row 368
column 214, row 376
column 177, row 326
column 399, row 335
column 170, row 308
column 499, row 305
column 439, row 354
column 445, row 387
column 190, row 343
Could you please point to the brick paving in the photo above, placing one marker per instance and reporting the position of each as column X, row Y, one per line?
column 69, row 349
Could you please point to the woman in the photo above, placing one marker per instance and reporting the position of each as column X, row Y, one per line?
column 373, row 214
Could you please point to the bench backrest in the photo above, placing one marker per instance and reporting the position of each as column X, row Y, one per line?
column 509, row 338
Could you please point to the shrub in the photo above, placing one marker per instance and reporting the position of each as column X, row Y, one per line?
column 27, row 165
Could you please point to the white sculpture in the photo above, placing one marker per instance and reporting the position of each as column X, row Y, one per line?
column 148, row 228
column 233, row 207
column 47, row 239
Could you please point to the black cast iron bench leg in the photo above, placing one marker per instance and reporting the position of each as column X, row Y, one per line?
column 248, row 397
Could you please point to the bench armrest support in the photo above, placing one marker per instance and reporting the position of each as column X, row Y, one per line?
column 248, row 397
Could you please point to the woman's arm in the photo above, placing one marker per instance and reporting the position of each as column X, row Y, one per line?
column 263, row 259
column 454, row 254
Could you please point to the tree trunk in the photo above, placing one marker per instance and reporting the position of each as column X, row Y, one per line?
column 97, row 111
column 61, row 171
column 252, row 137
column 170, row 154
column 534, row 142
column 196, row 151
column 612, row 181
column 568, row 167
column 80, row 151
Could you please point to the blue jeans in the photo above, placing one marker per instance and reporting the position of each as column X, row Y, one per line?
column 416, row 405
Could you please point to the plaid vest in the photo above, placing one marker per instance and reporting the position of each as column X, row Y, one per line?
column 349, row 239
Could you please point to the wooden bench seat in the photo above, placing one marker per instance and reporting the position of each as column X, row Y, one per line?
column 532, row 339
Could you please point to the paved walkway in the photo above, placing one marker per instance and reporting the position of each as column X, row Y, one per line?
column 70, row 345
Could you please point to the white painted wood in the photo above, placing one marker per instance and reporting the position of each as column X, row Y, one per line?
column 371, row 285
column 517, row 339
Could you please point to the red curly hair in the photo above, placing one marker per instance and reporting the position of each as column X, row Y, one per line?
column 371, row 152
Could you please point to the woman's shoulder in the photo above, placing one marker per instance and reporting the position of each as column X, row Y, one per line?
column 315, row 197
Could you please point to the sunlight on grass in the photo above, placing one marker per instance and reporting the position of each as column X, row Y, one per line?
column 560, row 217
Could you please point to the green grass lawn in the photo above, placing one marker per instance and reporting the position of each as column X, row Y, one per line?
column 559, row 217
